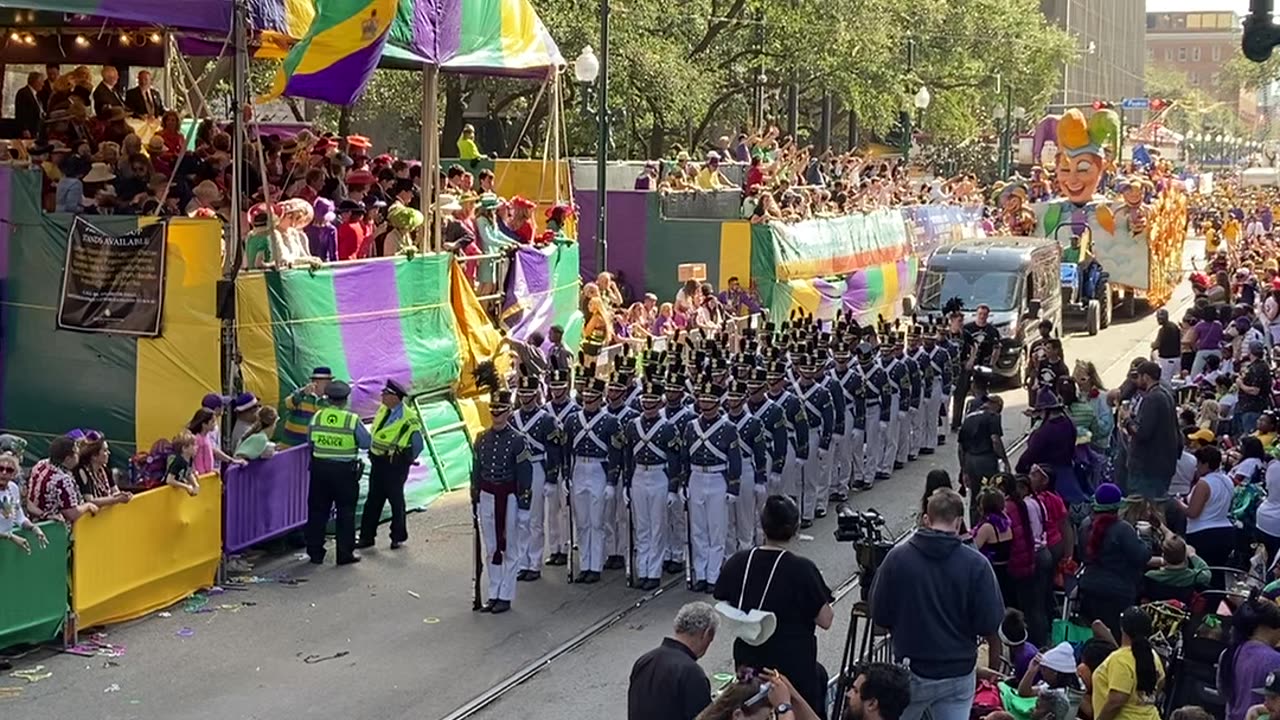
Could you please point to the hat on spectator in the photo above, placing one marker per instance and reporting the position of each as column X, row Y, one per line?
column 100, row 172
column 490, row 201
column 337, row 391
column 246, row 401
column 521, row 201
column 155, row 145
column 324, row 209
column 404, row 218
column 682, row 156
column 214, row 401
column 1107, row 498
column 1059, row 658
column 713, row 156
column 1257, row 349
column 289, row 147
column 1270, row 686
column 322, row 372
column 358, row 142
column 352, row 206
column 448, row 203
column 394, row 388
column 360, row 177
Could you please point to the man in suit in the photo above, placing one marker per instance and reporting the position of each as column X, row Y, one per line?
column 108, row 94
column 27, row 108
column 144, row 100
column 51, row 73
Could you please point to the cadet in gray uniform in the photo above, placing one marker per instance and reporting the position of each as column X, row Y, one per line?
column 713, row 465
column 500, row 473
column 651, row 469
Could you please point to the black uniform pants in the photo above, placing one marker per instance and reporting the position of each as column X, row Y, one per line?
column 386, row 484
column 334, row 484
column 959, row 396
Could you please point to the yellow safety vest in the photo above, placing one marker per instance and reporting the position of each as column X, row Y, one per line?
column 394, row 436
column 333, row 434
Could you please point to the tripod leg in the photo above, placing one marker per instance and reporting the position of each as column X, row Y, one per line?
column 568, row 490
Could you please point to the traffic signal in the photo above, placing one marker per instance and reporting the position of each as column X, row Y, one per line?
column 1102, row 105
column 1158, row 104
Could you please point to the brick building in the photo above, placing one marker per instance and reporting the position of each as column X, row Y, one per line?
column 1198, row 45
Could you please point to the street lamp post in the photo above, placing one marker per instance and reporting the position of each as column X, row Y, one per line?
column 592, row 72
column 1002, row 125
column 921, row 100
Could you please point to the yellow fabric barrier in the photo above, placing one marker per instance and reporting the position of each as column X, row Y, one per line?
column 257, row 343
column 735, row 252
column 534, row 179
column 477, row 338
column 176, row 369
column 134, row 559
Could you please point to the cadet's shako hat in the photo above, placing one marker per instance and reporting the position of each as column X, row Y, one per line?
column 709, row 391
column 595, row 387
column 757, row 378
column 618, row 381
column 528, row 385
column 500, row 402
column 559, row 378
column 651, row 391
column 777, row 370
column 322, row 373
column 737, row 390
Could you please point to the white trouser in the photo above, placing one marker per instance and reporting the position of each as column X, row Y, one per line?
column 762, row 493
column 891, row 437
column 741, row 531
column 793, row 470
column 812, row 491
column 502, row 577
column 588, row 511
column 556, row 507
column 850, row 454
column 929, row 411
column 617, row 531
column 906, row 421
column 708, row 522
column 531, row 522
column 677, row 532
column 944, row 413
column 1169, row 369
column 875, row 437
column 649, row 505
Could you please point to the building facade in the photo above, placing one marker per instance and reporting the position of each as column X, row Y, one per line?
column 1198, row 46
column 1110, row 39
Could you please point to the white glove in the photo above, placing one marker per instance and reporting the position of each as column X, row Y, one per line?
column 671, row 499
column 609, row 492
column 761, row 492
column 731, row 498
column 549, row 489
column 626, row 497
column 884, row 425
column 822, row 454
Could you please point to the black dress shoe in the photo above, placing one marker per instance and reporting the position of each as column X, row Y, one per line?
column 592, row 578
column 942, row 440
column 349, row 560
column 819, row 512
column 397, row 544
column 675, row 567
column 861, row 485
column 522, row 576
column 837, row 497
column 557, row 559
column 582, row 577
column 899, row 466
column 911, row 458
column 650, row 584
column 710, row 589
column 700, row 586
column 614, row 562
column 883, row 476
column 531, row 575
column 500, row 606
column 317, row 559
column 488, row 607
column 363, row 543
column 926, row 451
column 805, row 524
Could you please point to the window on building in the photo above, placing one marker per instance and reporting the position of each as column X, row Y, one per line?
column 1180, row 21
column 1151, row 53
column 1193, row 79
column 1168, row 54
column 1195, row 54
column 1216, row 53
column 1151, row 21
column 1194, row 21
column 1182, row 54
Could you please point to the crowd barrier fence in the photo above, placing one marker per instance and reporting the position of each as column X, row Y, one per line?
column 136, row 558
column 35, row 608
column 265, row 498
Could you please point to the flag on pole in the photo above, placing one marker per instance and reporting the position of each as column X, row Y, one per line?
column 339, row 52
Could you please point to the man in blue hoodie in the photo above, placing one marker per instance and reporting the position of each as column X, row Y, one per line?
column 937, row 597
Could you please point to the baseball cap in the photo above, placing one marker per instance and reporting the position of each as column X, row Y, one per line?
column 1203, row 435
column 1271, row 686
column 1059, row 658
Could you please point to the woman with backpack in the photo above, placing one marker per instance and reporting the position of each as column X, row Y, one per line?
column 1208, row 510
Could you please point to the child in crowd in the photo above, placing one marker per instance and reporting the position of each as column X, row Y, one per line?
column 70, row 189
column 180, row 472
column 1178, row 568
column 1013, row 633
column 257, row 444
column 203, row 425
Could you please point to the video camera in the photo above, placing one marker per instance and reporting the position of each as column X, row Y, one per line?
column 866, row 531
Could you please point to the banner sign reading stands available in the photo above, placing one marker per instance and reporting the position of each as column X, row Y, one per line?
column 113, row 283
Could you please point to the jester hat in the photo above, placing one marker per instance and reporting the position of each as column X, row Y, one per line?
column 1077, row 137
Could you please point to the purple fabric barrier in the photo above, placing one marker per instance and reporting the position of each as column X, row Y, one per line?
column 265, row 498
column 627, row 218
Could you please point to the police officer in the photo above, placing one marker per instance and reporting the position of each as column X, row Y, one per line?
column 617, row 534
column 713, row 464
column 595, row 464
column 651, row 465
column 500, row 475
column 541, row 434
column 556, row 500
column 753, row 446
column 787, row 482
column 677, row 410
column 817, row 404
column 336, row 436
column 397, row 442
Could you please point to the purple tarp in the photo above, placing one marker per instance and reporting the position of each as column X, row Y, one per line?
column 265, row 498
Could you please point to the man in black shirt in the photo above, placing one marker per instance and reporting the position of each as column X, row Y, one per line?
column 1052, row 366
column 1254, row 385
column 981, row 447
column 981, row 340
column 1167, row 347
column 667, row 683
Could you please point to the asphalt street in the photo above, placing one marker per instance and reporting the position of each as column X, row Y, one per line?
column 395, row 637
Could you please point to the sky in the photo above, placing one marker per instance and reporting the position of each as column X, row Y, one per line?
column 1240, row 6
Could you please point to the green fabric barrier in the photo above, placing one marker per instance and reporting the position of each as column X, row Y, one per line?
column 764, row 266
column 837, row 246
column 35, row 606
column 672, row 242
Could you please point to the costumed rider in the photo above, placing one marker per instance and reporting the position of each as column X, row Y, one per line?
column 753, row 446
column 713, row 461
column 1134, row 189
column 1080, row 166
column 336, row 436
column 397, row 442
column 595, row 447
column 501, row 484
column 1016, row 216
column 651, row 469
column 537, row 423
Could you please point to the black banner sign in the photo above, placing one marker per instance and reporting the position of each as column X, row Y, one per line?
column 113, row 283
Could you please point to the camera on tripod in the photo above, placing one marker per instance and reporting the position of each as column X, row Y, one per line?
column 855, row 527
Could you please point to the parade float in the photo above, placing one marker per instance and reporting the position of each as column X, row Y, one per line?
column 1135, row 240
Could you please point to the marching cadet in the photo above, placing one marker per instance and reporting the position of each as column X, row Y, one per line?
column 955, row 343
column 500, row 474
column 336, row 436
column 713, row 463
column 616, row 532
column 595, row 464
column 678, row 410
column 753, row 447
column 934, row 360
column 833, row 483
column 651, row 467
column 395, row 446
column 788, row 481
column 556, row 498
column 914, row 394
column 890, row 402
column 847, row 383
column 538, row 425
column 918, row 371
column 774, row 426
column 874, row 381
column 818, row 406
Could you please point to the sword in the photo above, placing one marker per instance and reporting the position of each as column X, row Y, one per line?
column 475, row 557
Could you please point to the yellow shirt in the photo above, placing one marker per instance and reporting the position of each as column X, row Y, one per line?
column 1119, row 672
column 709, row 179
column 1211, row 241
column 1231, row 231
column 467, row 149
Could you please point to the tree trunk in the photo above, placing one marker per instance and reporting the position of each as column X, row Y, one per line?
column 657, row 138
column 344, row 120
column 455, row 104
